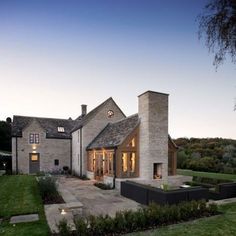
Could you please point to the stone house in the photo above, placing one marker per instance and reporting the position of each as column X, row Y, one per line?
column 103, row 144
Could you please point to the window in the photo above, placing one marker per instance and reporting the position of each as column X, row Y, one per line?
column 91, row 161
column 124, row 161
column 34, row 138
column 34, row 157
column 56, row 162
column 132, row 162
column 132, row 143
column 108, row 162
column 128, row 164
column 60, row 129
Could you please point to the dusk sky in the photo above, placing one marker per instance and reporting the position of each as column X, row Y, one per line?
column 56, row 55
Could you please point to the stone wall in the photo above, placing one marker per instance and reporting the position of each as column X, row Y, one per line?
column 49, row 150
column 76, row 151
column 153, row 113
column 91, row 129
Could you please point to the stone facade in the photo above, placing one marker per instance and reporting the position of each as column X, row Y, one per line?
column 144, row 134
column 76, row 147
column 49, row 150
column 153, row 114
column 90, row 130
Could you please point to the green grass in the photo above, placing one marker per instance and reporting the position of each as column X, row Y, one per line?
column 206, row 174
column 20, row 195
column 221, row 225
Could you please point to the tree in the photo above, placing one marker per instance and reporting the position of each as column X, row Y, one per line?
column 5, row 136
column 218, row 24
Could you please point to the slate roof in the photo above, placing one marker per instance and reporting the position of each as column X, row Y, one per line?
column 48, row 124
column 82, row 120
column 114, row 134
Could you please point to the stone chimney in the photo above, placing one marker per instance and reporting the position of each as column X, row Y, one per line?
column 153, row 138
column 83, row 110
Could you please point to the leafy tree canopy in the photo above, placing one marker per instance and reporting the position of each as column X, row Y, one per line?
column 5, row 136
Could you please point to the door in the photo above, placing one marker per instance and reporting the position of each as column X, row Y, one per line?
column 34, row 163
column 99, row 166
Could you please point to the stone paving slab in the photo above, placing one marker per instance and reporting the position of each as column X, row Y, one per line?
column 24, row 218
column 224, row 201
column 95, row 201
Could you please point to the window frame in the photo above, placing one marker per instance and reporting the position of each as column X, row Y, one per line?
column 56, row 162
column 34, row 138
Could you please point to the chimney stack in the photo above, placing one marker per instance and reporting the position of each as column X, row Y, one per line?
column 83, row 110
column 153, row 114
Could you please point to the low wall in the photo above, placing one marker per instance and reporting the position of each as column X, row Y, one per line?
column 109, row 180
column 90, row 174
column 145, row 194
column 225, row 190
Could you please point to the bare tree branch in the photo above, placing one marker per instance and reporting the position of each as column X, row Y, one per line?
column 217, row 25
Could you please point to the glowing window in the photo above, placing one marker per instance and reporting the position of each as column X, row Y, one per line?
column 132, row 162
column 60, row 129
column 34, row 157
column 132, row 143
column 124, row 161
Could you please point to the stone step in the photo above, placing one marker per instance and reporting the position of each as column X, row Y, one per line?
column 24, row 218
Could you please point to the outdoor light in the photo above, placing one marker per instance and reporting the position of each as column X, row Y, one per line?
column 63, row 212
column 34, row 147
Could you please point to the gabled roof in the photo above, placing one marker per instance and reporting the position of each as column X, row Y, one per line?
column 114, row 134
column 50, row 125
column 82, row 120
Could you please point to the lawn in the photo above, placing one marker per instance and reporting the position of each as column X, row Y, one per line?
column 221, row 225
column 20, row 195
column 206, row 174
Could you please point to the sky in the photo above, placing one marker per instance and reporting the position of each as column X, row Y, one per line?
column 56, row 55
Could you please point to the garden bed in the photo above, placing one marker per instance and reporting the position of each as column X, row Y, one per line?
column 103, row 186
column 48, row 190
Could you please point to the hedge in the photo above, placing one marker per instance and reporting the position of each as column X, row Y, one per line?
column 152, row 216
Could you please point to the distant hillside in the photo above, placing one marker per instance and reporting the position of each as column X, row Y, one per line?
column 207, row 154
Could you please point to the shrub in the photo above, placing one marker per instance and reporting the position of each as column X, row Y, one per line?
column 48, row 190
column 202, row 207
column 103, row 186
column 83, row 177
column 64, row 228
column 40, row 173
column 47, row 186
column 212, row 209
column 119, row 222
column 144, row 218
column 81, row 226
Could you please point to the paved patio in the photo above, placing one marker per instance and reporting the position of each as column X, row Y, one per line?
column 95, row 201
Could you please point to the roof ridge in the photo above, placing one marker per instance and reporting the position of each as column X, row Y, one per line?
column 85, row 118
column 95, row 108
column 36, row 117
column 125, row 118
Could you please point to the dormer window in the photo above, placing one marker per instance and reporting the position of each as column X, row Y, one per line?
column 60, row 129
